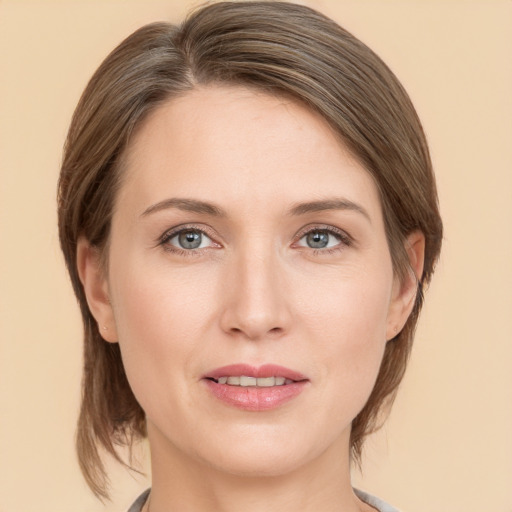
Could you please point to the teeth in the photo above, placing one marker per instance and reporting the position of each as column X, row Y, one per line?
column 247, row 381
column 266, row 382
column 260, row 382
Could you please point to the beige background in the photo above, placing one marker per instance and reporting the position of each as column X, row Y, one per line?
column 448, row 444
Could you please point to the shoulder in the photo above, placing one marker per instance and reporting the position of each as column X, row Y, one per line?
column 139, row 502
column 375, row 502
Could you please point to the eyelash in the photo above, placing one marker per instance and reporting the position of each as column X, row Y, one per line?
column 169, row 235
column 345, row 240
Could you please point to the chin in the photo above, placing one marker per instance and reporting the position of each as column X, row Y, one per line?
column 268, row 464
column 265, row 455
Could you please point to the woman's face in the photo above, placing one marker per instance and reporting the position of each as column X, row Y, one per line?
column 247, row 244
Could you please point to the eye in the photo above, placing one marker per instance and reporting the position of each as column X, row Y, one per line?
column 319, row 239
column 322, row 239
column 188, row 239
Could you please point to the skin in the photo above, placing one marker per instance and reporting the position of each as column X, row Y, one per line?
column 254, row 292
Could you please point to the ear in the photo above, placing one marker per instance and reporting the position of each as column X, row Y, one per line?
column 405, row 290
column 96, row 288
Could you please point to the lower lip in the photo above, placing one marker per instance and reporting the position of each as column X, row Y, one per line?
column 252, row 398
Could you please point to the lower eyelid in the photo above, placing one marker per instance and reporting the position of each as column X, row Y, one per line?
column 175, row 248
column 343, row 238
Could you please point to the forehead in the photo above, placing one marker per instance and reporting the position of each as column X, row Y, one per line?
column 234, row 144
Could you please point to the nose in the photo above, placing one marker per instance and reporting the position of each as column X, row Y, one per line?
column 255, row 302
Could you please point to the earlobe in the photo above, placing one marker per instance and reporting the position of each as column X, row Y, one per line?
column 406, row 289
column 96, row 289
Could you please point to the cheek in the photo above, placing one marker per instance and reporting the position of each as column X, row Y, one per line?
column 351, row 305
column 154, row 299
column 159, row 318
column 347, row 322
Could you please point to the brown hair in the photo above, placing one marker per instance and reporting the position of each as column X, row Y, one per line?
column 277, row 47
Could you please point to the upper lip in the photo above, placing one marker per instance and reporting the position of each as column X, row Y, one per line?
column 266, row 370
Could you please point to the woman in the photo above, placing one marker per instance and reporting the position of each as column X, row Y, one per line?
column 248, row 214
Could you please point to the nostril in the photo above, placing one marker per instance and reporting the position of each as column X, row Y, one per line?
column 273, row 332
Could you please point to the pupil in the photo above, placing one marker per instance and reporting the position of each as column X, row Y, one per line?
column 318, row 239
column 190, row 239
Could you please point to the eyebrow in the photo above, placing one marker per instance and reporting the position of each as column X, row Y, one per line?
column 328, row 204
column 205, row 208
column 188, row 205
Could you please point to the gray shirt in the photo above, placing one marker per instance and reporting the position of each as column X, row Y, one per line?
column 367, row 498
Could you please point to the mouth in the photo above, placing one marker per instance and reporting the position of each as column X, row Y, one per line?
column 259, row 382
column 244, row 375
column 255, row 388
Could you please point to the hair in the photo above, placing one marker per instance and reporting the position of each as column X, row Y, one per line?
column 282, row 49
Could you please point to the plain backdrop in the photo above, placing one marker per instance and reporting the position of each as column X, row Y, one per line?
column 448, row 443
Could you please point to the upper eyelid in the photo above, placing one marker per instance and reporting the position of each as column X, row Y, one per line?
column 324, row 227
column 212, row 234
column 164, row 240
column 172, row 232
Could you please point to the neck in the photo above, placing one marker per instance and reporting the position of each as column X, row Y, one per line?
column 180, row 482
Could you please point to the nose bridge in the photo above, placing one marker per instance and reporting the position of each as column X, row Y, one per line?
column 256, row 304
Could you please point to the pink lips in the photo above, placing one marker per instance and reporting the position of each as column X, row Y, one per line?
column 252, row 398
